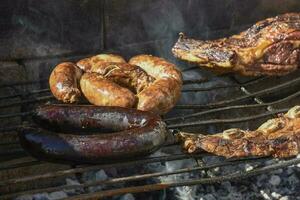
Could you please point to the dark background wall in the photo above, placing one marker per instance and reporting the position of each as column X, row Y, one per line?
column 38, row 28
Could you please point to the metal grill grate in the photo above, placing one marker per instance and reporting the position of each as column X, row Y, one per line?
column 269, row 95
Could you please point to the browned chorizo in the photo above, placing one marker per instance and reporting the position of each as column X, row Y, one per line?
column 64, row 81
column 124, row 74
column 87, row 63
column 102, row 92
column 165, row 91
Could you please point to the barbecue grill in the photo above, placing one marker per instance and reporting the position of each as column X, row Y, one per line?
column 269, row 100
column 210, row 103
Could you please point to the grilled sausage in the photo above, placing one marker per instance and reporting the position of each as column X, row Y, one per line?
column 64, row 82
column 165, row 91
column 97, row 147
column 147, row 82
column 88, row 118
column 124, row 74
column 87, row 63
column 102, row 92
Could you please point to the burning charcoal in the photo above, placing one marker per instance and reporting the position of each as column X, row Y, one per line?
column 275, row 195
column 261, row 180
column 285, row 198
column 289, row 170
column 186, row 192
column 226, row 185
column 57, row 195
column 248, row 167
column 265, row 195
column 278, row 171
column 24, row 197
column 70, row 181
column 235, row 196
column 293, row 180
column 41, row 196
column 208, row 197
column 275, row 180
column 97, row 176
column 127, row 197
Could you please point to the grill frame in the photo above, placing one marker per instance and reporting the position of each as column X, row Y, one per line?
column 268, row 109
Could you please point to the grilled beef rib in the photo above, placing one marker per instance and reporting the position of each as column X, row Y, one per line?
column 269, row 47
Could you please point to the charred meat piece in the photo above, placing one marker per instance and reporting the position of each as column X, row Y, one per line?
column 269, row 47
column 279, row 137
column 133, row 133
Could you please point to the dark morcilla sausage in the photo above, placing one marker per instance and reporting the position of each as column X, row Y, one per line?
column 135, row 133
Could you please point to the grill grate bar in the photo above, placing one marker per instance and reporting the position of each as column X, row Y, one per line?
column 24, row 94
column 136, row 177
column 97, row 167
column 208, row 88
column 233, row 107
column 254, row 94
column 10, row 128
column 22, row 114
column 189, row 69
column 232, row 120
column 212, row 180
column 193, row 81
column 35, row 100
column 23, row 164
column 23, row 83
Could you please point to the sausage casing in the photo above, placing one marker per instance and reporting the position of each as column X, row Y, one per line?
column 97, row 147
column 124, row 74
column 87, row 63
column 165, row 91
column 88, row 118
column 64, row 81
column 102, row 92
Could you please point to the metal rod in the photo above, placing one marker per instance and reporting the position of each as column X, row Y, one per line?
column 197, row 114
column 38, row 99
column 96, row 167
column 189, row 69
column 217, row 121
column 218, row 87
column 254, row 94
column 208, row 88
column 200, row 181
column 24, row 94
column 23, row 83
column 11, row 128
column 23, row 164
column 22, row 114
column 193, row 81
column 254, row 80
